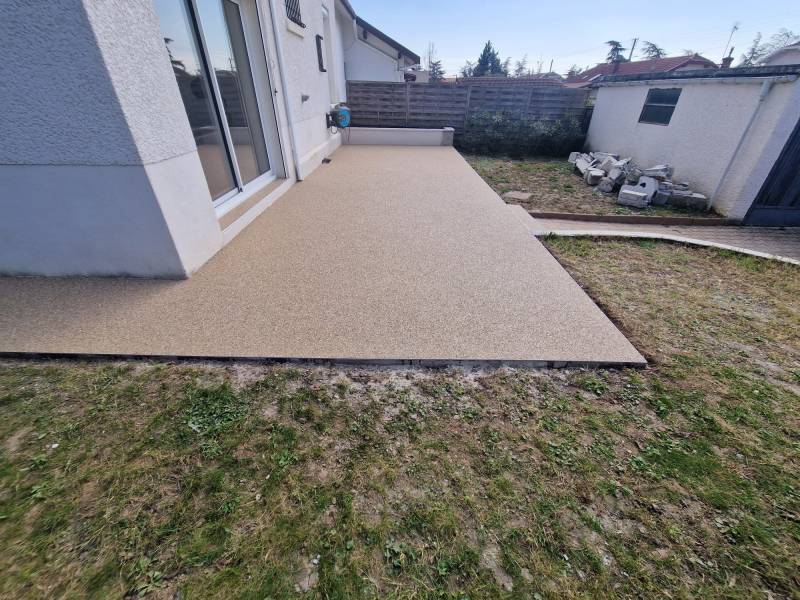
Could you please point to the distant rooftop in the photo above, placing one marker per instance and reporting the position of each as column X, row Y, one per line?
column 738, row 72
column 635, row 67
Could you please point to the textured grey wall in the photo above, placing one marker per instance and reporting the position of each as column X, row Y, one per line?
column 87, row 83
column 132, row 43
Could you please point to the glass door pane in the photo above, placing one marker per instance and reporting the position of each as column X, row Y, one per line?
column 190, row 73
column 223, row 33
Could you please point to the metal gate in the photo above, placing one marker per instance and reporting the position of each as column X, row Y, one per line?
column 778, row 201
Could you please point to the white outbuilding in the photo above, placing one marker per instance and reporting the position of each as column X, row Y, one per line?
column 733, row 134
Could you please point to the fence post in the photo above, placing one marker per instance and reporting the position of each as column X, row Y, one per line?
column 466, row 105
column 408, row 100
column 528, row 103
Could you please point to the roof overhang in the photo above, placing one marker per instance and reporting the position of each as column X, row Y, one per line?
column 349, row 8
column 385, row 38
column 789, row 72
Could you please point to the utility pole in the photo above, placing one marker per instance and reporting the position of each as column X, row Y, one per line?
column 633, row 47
column 551, row 66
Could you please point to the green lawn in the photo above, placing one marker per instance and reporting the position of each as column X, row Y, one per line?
column 557, row 188
column 235, row 480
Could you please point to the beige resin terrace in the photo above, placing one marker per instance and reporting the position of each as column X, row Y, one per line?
column 387, row 253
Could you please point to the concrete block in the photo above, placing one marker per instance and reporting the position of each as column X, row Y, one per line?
column 692, row 200
column 606, row 185
column 582, row 165
column 648, row 185
column 601, row 156
column 607, row 164
column 593, row 176
column 661, row 198
column 661, row 172
column 617, row 174
column 573, row 156
column 629, row 196
column 632, row 174
column 520, row 196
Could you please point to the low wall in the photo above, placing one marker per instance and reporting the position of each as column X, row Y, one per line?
column 389, row 136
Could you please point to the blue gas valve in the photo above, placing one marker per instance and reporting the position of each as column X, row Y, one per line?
column 339, row 117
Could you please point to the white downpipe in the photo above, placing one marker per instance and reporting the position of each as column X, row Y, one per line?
column 286, row 100
column 766, row 86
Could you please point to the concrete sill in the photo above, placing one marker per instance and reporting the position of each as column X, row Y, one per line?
column 295, row 28
column 237, row 206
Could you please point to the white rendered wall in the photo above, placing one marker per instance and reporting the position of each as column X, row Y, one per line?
column 365, row 63
column 98, row 167
column 701, row 137
column 763, row 145
column 789, row 56
column 313, row 139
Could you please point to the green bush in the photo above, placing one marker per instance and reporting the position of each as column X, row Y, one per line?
column 515, row 134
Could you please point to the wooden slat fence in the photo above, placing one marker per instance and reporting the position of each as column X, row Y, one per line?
column 387, row 104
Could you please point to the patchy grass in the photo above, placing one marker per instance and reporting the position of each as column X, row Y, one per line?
column 236, row 480
column 556, row 188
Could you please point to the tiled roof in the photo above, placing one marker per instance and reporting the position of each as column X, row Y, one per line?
column 637, row 67
column 739, row 72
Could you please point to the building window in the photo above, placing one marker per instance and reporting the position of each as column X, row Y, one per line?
column 217, row 80
column 659, row 106
column 293, row 12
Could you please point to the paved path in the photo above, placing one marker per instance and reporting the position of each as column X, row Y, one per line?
column 385, row 254
column 780, row 243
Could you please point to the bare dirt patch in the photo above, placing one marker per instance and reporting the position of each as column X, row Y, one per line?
column 556, row 188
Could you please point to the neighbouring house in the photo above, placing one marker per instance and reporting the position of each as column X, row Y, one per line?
column 371, row 55
column 493, row 80
column 734, row 134
column 637, row 67
column 788, row 55
column 141, row 136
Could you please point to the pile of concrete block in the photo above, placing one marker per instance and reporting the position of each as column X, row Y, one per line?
column 633, row 185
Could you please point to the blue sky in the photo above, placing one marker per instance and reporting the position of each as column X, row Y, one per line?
column 573, row 32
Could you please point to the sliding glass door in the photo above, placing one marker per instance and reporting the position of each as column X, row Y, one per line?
column 217, row 76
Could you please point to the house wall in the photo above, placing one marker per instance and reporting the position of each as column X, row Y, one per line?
column 788, row 56
column 98, row 167
column 314, row 141
column 700, row 140
column 366, row 63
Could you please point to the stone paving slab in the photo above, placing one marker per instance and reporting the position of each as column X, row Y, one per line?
column 782, row 243
column 388, row 254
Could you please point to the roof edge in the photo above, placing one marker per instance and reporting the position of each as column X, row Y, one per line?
column 382, row 36
column 349, row 8
column 738, row 72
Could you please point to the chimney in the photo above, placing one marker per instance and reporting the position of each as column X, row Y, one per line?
column 726, row 62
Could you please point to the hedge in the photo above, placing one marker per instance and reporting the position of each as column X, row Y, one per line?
column 514, row 134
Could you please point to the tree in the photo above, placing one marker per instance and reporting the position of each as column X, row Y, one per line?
column 506, row 66
column 468, row 69
column 754, row 54
column 616, row 52
column 435, row 71
column 521, row 67
column 430, row 55
column 652, row 51
column 573, row 70
column 758, row 51
column 488, row 62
